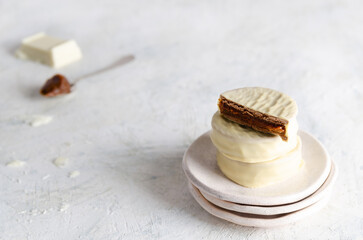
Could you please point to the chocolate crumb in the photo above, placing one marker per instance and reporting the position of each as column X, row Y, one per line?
column 55, row 86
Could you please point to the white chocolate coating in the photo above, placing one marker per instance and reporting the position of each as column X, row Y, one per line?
column 247, row 145
column 265, row 100
column 254, row 175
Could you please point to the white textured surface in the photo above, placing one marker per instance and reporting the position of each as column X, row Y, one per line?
column 264, row 100
column 126, row 130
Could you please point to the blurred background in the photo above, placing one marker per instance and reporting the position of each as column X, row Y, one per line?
column 126, row 129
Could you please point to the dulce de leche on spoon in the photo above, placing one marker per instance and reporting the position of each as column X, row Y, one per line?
column 59, row 84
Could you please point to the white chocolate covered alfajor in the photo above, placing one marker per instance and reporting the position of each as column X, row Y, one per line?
column 263, row 173
column 248, row 145
column 253, row 158
column 262, row 109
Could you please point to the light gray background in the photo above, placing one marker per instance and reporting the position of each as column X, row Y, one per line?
column 126, row 130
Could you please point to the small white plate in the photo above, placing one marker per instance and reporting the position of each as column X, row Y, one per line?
column 323, row 191
column 252, row 220
column 200, row 166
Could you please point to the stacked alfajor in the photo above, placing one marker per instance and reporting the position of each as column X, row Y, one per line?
column 252, row 158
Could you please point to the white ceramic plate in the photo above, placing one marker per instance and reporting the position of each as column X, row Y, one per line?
column 323, row 191
column 200, row 166
column 253, row 220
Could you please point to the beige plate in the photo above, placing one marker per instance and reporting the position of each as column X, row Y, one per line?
column 253, row 220
column 322, row 192
column 200, row 166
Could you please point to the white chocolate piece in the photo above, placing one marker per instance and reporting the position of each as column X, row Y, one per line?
column 254, row 175
column 49, row 50
column 74, row 174
column 247, row 145
column 15, row 164
column 37, row 120
column 61, row 162
column 64, row 207
column 267, row 101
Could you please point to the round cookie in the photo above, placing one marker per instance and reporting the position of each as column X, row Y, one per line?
column 247, row 145
column 266, row 101
column 254, row 175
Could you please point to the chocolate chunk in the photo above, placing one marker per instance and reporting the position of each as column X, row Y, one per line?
column 55, row 86
column 251, row 118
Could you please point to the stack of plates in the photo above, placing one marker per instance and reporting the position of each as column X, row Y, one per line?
column 274, row 205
